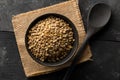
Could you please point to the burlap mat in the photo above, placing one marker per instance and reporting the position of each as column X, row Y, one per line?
column 21, row 23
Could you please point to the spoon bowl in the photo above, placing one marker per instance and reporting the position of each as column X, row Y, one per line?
column 98, row 17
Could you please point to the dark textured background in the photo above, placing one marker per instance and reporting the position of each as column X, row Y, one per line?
column 105, row 46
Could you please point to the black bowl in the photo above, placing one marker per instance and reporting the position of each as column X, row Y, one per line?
column 72, row 51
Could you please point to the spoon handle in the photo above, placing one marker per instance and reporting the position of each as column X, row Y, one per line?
column 76, row 59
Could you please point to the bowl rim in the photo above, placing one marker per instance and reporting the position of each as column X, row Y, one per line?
column 75, row 43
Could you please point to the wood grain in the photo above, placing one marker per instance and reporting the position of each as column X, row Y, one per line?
column 23, row 20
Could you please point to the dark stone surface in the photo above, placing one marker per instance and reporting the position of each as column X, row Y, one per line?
column 105, row 45
column 10, row 63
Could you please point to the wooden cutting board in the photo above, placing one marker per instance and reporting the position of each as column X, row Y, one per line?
column 22, row 21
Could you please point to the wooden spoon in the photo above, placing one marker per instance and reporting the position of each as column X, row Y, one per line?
column 98, row 17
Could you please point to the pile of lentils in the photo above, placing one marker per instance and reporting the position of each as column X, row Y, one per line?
column 51, row 39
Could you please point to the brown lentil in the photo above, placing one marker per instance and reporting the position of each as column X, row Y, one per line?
column 50, row 39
